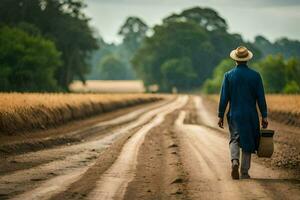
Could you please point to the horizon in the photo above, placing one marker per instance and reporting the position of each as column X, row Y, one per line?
column 285, row 13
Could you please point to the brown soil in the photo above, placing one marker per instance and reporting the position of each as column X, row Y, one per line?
column 72, row 132
column 171, row 150
column 159, row 173
column 287, row 143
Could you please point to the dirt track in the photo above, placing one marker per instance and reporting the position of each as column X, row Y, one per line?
column 165, row 150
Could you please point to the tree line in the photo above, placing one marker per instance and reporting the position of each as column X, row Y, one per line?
column 188, row 49
column 45, row 44
column 279, row 75
column 113, row 61
column 49, row 43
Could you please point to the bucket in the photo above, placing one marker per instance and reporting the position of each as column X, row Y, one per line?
column 266, row 143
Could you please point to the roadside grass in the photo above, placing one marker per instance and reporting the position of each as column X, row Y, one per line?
column 29, row 111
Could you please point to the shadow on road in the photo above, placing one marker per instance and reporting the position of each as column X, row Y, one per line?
column 276, row 180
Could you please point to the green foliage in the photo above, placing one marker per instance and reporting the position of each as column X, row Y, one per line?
column 63, row 22
column 112, row 68
column 199, row 34
column 133, row 32
column 272, row 70
column 178, row 73
column 288, row 48
column 291, row 87
column 213, row 85
column 207, row 18
column 279, row 75
column 104, row 50
column 169, row 41
column 292, row 70
column 27, row 63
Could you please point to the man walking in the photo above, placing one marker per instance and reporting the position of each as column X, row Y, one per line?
column 242, row 87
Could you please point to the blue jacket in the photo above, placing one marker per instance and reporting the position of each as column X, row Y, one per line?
column 242, row 87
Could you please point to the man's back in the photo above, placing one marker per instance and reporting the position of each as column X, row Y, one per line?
column 243, row 85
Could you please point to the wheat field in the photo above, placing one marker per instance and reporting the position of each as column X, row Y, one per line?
column 28, row 111
column 106, row 86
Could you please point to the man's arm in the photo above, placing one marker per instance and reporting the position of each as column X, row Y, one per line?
column 224, row 98
column 261, row 101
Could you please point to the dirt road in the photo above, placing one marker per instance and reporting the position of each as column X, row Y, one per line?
column 165, row 150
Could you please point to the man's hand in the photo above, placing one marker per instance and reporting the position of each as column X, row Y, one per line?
column 221, row 123
column 264, row 123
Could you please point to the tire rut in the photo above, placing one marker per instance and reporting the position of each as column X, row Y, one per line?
column 38, row 191
column 19, row 181
column 159, row 173
column 207, row 162
column 113, row 183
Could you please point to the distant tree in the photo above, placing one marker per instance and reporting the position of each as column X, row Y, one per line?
column 213, row 85
column 205, row 17
column 133, row 32
column 288, row 48
column 170, row 41
column 178, row 73
column 292, row 87
column 292, row 70
column 104, row 50
column 199, row 34
column 264, row 45
column 112, row 68
column 27, row 63
column 272, row 69
column 280, row 75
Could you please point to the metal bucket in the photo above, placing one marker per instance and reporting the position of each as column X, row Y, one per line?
column 266, row 143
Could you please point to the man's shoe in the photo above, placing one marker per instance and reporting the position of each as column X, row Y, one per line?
column 235, row 171
column 245, row 176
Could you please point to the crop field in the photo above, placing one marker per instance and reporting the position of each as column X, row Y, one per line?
column 20, row 112
column 123, row 86
column 283, row 108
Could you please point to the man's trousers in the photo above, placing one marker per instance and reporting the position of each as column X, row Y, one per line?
column 235, row 155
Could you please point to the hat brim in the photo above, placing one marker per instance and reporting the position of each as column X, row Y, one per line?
column 234, row 57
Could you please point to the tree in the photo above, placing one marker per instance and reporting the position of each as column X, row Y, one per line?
column 112, row 68
column 207, row 18
column 68, row 28
column 288, row 48
column 292, row 70
column 199, row 34
column 272, row 69
column 133, row 32
column 213, row 85
column 170, row 41
column 178, row 73
column 292, row 87
column 280, row 75
column 27, row 63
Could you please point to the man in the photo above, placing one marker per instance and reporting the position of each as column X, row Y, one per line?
column 242, row 87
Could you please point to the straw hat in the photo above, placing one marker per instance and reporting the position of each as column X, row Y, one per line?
column 241, row 54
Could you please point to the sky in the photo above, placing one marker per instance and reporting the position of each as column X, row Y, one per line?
column 270, row 18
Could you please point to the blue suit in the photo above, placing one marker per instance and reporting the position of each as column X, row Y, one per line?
column 242, row 87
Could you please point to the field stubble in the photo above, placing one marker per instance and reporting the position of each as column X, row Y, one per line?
column 29, row 111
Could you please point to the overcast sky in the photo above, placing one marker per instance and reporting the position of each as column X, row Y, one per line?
column 271, row 18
